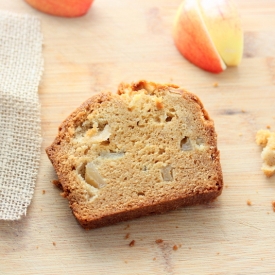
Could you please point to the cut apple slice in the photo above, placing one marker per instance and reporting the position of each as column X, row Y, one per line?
column 208, row 33
column 63, row 8
column 223, row 23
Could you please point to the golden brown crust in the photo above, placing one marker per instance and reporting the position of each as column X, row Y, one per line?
column 147, row 210
column 64, row 135
column 168, row 186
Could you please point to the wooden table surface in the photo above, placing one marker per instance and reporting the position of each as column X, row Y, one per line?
column 122, row 40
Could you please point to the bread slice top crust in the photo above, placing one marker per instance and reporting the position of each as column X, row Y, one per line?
column 145, row 146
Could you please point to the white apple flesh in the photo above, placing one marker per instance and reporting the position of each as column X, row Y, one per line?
column 208, row 33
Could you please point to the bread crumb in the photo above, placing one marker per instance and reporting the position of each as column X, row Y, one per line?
column 267, row 213
column 127, row 236
column 175, row 247
column 126, row 227
column 179, row 245
column 273, row 205
column 262, row 137
column 215, row 84
column 54, row 243
column 159, row 241
column 226, row 186
column 125, row 262
column 240, row 135
column 177, row 226
column 266, row 139
column 189, row 248
column 154, row 259
column 243, row 111
column 37, row 247
column 218, row 253
column 43, row 192
column 248, row 202
column 132, row 243
column 268, row 127
column 55, row 182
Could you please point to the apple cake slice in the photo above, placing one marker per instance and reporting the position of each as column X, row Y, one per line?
column 148, row 149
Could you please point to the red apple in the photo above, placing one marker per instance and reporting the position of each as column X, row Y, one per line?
column 64, row 8
column 208, row 33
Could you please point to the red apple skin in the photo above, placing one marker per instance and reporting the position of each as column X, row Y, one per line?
column 63, row 8
column 193, row 42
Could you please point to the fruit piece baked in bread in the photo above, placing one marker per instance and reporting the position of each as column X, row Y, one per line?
column 148, row 149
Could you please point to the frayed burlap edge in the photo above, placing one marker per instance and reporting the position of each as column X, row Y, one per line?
column 21, row 66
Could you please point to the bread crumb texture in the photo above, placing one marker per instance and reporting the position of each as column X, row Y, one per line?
column 158, row 241
column 132, row 243
column 266, row 139
column 215, row 84
column 147, row 149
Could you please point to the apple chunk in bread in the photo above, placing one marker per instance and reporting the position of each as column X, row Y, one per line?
column 148, row 149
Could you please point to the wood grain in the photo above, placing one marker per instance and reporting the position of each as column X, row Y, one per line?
column 127, row 41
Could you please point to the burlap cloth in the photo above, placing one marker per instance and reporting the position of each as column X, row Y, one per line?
column 21, row 66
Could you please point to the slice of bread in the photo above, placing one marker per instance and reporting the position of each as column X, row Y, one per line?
column 148, row 149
